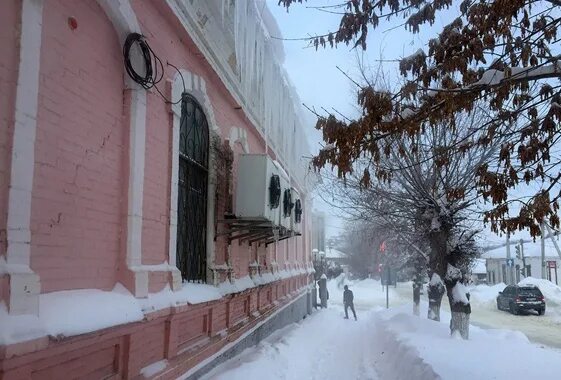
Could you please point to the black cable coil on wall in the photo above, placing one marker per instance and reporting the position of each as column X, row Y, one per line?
column 153, row 66
column 274, row 192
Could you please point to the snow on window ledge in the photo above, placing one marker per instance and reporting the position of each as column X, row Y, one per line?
column 73, row 312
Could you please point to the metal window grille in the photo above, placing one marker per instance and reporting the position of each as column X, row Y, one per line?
column 192, row 192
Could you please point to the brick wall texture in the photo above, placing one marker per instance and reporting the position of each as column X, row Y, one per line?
column 80, row 193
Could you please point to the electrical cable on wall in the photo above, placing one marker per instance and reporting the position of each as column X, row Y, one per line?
column 154, row 68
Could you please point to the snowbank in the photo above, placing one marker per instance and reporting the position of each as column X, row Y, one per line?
column 550, row 291
column 486, row 295
column 397, row 359
column 417, row 348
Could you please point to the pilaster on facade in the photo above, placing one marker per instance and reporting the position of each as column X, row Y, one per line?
column 238, row 136
column 24, row 284
column 136, row 276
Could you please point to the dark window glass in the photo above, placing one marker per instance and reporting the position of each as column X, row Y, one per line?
column 529, row 292
column 192, row 192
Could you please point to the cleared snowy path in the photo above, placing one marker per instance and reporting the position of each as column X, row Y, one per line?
column 323, row 346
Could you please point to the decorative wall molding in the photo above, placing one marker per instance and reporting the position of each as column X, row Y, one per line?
column 196, row 87
column 124, row 20
column 25, row 285
column 239, row 135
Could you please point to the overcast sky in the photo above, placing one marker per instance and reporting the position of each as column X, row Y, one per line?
column 318, row 81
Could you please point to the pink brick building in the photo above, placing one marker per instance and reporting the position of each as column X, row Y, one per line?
column 123, row 249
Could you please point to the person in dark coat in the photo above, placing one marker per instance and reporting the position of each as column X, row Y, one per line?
column 348, row 301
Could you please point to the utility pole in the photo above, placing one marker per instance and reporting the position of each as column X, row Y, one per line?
column 508, row 280
column 551, row 236
column 523, row 258
column 543, row 249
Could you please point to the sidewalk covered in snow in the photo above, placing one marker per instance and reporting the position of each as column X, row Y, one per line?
column 388, row 344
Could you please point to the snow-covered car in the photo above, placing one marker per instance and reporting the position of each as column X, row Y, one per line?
column 515, row 298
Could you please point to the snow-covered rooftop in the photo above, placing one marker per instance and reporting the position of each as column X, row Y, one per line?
column 333, row 253
column 531, row 249
column 479, row 267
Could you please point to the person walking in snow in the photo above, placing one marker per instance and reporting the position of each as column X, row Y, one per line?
column 348, row 301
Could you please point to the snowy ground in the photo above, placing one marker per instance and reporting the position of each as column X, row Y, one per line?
column 324, row 346
column 544, row 329
column 391, row 344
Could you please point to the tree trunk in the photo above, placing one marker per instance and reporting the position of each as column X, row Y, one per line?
column 459, row 321
column 435, row 300
column 416, row 298
column 459, row 324
column 416, row 309
column 438, row 240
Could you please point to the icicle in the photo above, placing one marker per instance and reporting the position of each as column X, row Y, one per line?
column 265, row 86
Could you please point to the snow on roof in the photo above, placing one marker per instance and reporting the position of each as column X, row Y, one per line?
column 71, row 312
column 333, row 253
column 531, row 249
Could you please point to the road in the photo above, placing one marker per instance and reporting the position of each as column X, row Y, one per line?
column 539, row 329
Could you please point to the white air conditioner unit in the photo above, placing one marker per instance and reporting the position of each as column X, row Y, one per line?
column 258, row 191
column 296, row 216
column 286, row 201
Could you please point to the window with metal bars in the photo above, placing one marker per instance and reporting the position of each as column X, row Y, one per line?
column 192, row 192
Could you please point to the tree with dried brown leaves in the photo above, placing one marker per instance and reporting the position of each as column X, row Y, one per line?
column 502, row 53
column 423, row 195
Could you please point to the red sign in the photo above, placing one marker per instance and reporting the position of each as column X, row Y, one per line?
column 552, row 264
column 383, row 246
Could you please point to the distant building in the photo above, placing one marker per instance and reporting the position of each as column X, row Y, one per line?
column 479, row 272
column 498, row 269
column 318, row 230
column 335, row 256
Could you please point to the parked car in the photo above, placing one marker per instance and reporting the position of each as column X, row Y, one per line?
column 515, row 298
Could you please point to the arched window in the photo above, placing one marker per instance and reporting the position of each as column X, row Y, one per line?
column 192, row 192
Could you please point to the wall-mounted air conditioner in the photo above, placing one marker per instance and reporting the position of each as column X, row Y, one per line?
column 296, row 217
column 286, row 201
column 259, row 188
